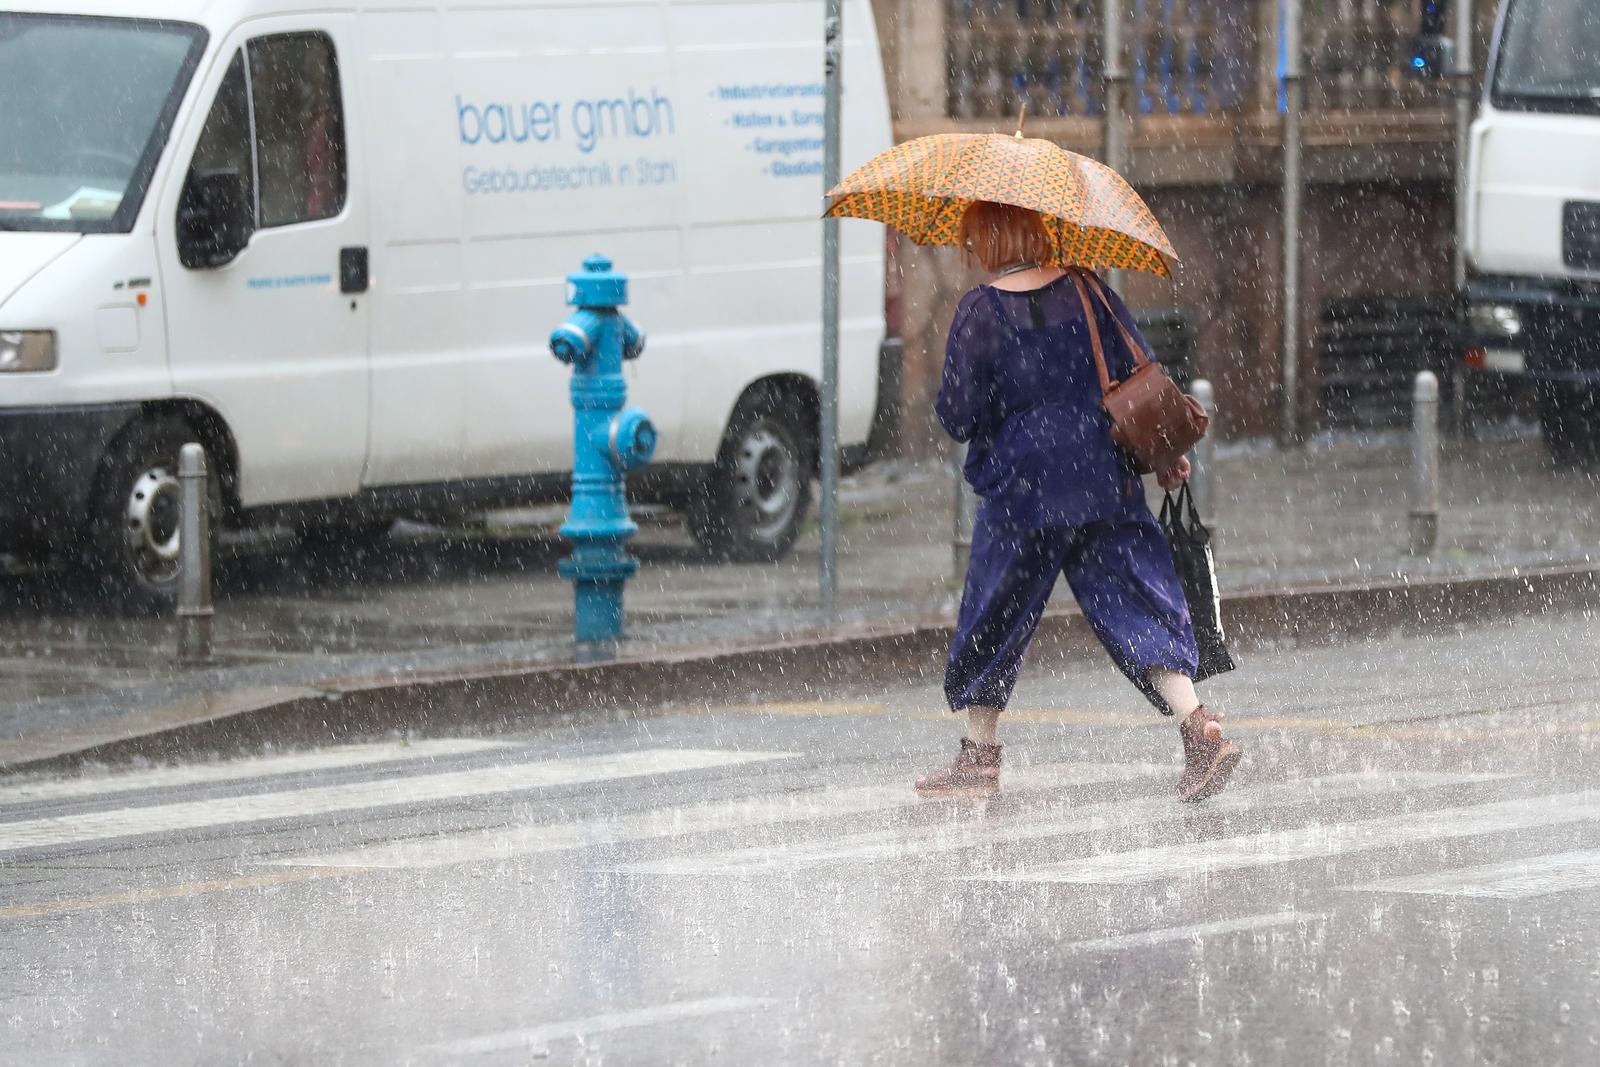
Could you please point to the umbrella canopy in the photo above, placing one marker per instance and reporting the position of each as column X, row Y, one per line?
column 923, row 187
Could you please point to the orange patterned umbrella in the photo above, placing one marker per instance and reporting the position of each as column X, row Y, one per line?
column 922, row 187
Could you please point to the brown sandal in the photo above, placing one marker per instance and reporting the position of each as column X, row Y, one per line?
column 1208, row 761
column 975, row 770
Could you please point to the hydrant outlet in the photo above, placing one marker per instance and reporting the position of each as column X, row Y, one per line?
column 569, row 342
column 632, row 439
column 632, row 341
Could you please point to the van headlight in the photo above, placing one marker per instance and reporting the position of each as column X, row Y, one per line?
column 27, row 350
column 1500, row 320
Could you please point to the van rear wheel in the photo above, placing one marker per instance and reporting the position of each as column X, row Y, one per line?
column 136, row 514
column 755, row 501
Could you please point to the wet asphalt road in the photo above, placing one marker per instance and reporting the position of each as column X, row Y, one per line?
column 1407, row 871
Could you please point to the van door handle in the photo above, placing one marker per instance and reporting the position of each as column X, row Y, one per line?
column 353, row 276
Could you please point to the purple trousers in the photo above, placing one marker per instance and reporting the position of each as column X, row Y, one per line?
column 1119, row 569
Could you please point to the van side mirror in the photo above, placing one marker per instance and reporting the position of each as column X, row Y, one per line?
column 215, row 219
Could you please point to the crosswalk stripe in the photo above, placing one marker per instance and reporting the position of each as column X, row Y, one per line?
column 897, row 842
column 748, row 813
column 1314, row 842
column 390, row 791
column 1197, row 933
column 534, row 1037
column 339, row 758
column 1515, row 880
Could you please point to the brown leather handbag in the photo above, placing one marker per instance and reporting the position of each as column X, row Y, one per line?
column 1152, row 420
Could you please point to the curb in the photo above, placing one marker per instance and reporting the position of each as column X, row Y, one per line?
column 507, row 695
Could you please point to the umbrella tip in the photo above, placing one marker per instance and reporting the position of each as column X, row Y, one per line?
column 1022, row 117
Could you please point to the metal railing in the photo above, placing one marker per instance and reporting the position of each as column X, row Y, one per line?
column 1004, row 53
column 1185, row 57
column 1358, row 58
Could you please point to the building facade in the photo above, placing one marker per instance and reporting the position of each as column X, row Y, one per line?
column 1205, row 149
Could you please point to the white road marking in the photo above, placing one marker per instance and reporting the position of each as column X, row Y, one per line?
column 901, row 842
column 1195, row 933
column 391, row 791
column 236, row 770
column 534, row 1037
column 1532, row 877
column 1314, row 842
column 748, row 813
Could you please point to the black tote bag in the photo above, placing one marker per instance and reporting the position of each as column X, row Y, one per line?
column 1191, row 554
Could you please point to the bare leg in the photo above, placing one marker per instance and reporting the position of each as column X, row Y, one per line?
column 1176, row 689
column 983, row 725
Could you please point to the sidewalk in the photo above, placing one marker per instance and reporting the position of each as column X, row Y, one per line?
column 439, row 604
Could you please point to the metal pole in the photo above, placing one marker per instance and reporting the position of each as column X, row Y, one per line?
column 833, row 59
column 1293, row 179
column 1464, row 105
column 1115, row 124
column 1424, row 463
column 1463, row 80
column 194, row 556
column 961, row 516
column 1203, row 457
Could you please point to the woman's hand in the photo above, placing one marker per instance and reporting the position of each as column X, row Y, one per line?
column 1174, row 475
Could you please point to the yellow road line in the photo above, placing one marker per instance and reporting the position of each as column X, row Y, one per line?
column 173, row 892
column 1081, row 717
column 1132, row 718
column 819, row 708
column 1587, row 726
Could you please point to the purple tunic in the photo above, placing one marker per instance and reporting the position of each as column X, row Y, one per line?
column 1020, row 386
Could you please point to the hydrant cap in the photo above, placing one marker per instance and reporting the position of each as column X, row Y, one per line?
column 597, row 285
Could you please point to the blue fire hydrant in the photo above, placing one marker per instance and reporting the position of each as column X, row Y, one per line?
column 607, row 442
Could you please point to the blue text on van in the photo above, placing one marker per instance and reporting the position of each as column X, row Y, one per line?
column 638, row 115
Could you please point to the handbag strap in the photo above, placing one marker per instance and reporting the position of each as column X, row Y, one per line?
column 1184, row 507
column 1139, row 358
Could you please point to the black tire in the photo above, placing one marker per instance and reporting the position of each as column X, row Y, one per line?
column 1566, row 419
column 134, row 515
column 752, row 506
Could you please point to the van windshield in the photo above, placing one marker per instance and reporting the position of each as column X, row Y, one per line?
column 87, row 106
column 1549, row 56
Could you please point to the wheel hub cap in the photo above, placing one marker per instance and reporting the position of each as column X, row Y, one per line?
column 154, row 509
column 767, row 481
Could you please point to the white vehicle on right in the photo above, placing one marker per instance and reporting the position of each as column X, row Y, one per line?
column 1533, row 224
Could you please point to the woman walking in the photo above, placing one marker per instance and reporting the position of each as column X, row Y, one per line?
column 1059, row 497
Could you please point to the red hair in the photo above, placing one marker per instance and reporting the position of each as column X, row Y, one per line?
column 1000, row 235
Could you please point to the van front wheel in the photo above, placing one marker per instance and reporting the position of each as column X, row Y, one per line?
column 751, row 508
column 137, row 514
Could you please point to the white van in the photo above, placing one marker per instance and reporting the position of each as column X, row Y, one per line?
column 1533, row 220
column 329, row 243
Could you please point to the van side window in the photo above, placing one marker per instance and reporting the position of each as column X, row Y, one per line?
column 299, row 128
column 278, row 124
column 225, row 139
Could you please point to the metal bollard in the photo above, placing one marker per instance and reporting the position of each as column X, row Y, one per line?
column 1424, row 463
column 1203, row 458
column 194, row 557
